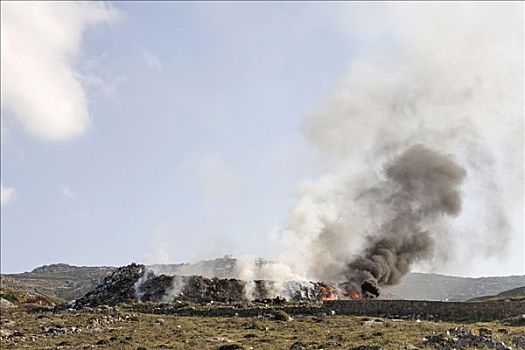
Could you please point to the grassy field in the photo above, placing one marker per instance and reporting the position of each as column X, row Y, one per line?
column 120, row 329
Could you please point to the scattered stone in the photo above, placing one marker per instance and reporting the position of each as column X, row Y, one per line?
column 485, row 332
column 230, row 347
column 502, row 346
column 159, row 321
column 519, row 341
column 297, row 346
column 329, row 345
column 219, row 340
column 6, row 304
column 4, row 333
column 250, row 325
column 460, row 337
column 373, row 322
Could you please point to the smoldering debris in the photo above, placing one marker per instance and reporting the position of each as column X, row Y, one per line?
column 135, row 283
column 118, row 287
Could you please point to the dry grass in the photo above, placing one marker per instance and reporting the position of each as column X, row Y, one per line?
column 119, row 329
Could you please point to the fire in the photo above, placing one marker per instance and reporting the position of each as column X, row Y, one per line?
column 328, row 293
column 344, row 292
column 353, row 293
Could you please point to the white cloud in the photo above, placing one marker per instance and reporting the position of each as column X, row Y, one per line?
column 40, row 42
column 151, row 59
column 6, row 194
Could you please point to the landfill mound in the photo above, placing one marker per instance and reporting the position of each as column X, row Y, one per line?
column 114, row 289
column 136, row 283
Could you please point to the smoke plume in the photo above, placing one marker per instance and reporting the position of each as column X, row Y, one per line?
column 423, row 146
column 420, row 185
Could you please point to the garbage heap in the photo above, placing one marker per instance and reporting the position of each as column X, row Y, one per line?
column 136, row 283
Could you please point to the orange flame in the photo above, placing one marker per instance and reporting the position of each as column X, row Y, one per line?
column 328, row 293
column 343, row 292
column 353, row 293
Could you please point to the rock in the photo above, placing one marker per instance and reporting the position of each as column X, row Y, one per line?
column 485, row 332
column 459, row 338
column 375, row 322
column 4, row 333
column 519, row 341
column 459, row 332
column 502, row 346
column 230, row 347
column 6, row 304
column 329, row 345
column 159, row 321
column 297, row 346
column 250, row 325
column 102, row 342
column 439, row 340
column 367, row 347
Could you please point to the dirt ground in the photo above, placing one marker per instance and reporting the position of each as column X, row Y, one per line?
column 116, row 328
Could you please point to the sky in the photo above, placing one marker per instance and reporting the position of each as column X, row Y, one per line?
column 166, row 131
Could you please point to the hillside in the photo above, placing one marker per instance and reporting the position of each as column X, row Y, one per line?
column 58, row 280
column 422, row 286
column 513, row 294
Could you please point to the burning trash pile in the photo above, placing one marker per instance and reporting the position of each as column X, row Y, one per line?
column 136, row 283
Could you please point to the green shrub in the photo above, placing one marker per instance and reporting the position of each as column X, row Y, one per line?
column 280, row 315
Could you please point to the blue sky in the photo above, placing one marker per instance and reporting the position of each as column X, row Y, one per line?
column 176, row 92
column 175, row 131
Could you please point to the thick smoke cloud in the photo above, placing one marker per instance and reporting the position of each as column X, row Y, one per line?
column 421, row 184
column 398, row 137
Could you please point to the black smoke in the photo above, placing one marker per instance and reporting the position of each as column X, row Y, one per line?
column 421, row 185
